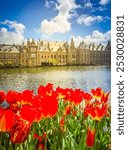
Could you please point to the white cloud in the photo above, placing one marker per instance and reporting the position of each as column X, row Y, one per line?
column 96, row 37
column 49, row 3
column 60, row 23
column 103, row 2
column 14, row 35
column 100, row 8
column 88, row 4
column 88, row 20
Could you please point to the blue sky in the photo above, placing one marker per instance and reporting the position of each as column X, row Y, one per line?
column 56, row 20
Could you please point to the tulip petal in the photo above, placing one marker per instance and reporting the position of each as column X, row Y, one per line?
column 7, row 120
column 20, row 131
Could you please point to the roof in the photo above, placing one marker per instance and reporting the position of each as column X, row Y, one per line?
column 91, row 46
column 9, row 48
column 51, row 46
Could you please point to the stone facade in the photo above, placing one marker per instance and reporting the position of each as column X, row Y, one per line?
column 32, row 54
column 9, row 55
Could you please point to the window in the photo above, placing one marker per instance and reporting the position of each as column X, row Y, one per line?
column 6, row 56
column 33, row 55
column 73, row 56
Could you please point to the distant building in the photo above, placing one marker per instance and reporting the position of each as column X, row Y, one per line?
column 32, row 54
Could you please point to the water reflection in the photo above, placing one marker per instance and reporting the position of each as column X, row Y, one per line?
column 73, row 77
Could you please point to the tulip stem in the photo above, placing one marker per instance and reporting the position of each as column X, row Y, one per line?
column 47, row 127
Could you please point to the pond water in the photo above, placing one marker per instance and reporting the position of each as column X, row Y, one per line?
column 83, row 77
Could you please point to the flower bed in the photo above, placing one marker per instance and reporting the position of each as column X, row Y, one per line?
column 55, row 119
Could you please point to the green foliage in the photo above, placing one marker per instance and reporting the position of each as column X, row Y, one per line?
column 53, row 61
column 1, row 64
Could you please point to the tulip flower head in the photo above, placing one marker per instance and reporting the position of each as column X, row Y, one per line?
column 90, row 139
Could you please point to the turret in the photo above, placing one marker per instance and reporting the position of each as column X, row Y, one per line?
column 93, row 46
column 28, row 42
column 72, row 42
column 33, row 42
column 108, row 46
column 72, row 45
column 48, row 46
column 66, row 46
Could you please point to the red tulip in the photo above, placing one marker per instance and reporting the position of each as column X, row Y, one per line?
column 45, row 107
column 63, row 93
column 2, row 96
column 28, row 113
column 20, row 131
column 90, row 139
column 62, row 121
column 36, row 136
column 25, row 97
column 1, row 111
column 41, row 140
column 62, row 124
column 74, row 112
column 76, row 96
column 37, row 106
column 49, row 106
column 97, row 92
column 85, row 113
column 104, row 97
column 12, row 96
column 7, row 120
column 96, row 113
column 14, row 107
column 40, row 146
column 68, row 110
column 45, row 90
column 100, row 95
column 87, row 97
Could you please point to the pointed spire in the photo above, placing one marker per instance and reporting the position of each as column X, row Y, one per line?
column 102, row 47
column 108, row 46
column 33, row 40
column 109, row 43
column 48, row 46
column 28, row 42
column 41, row 42
column 72, row 42
column 82, row 42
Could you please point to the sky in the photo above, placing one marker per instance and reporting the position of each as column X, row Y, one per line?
column 55, row 20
